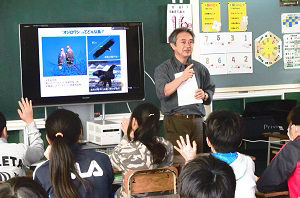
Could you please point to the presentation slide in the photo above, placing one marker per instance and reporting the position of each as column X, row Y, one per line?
column 82, row 61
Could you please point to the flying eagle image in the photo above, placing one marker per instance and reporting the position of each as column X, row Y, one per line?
column 104, row 48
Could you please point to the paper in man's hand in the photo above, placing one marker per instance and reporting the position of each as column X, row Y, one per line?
column 186, row 91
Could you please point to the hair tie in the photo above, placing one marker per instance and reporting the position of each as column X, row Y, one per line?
column 59, row 134
column 151, row 114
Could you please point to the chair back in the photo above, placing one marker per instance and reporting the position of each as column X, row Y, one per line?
column 272, row 194
column 150, row 180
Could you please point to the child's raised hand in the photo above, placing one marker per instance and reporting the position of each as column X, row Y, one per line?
column 187, row 151
column 26, row 112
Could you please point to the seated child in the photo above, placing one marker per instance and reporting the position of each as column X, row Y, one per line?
column 72, row 171
column 285, row 167
column 140, row 147
column 223, row 130
column 22, row 187
column 206, row 177
column 15, row 157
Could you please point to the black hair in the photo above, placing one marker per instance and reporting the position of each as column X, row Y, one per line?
column 22, row 187
column 206, row 177
column 147, row 116
column 224, row 130
column 294, row 116
column 2, row 123
column 173, row 35
column 63, row 128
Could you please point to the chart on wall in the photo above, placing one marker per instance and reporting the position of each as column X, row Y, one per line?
column 291, row 51
column 290, row 22
column 268, row 49
column 226, row 52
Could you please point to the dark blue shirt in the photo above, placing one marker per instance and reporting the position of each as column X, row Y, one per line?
column 94, row 167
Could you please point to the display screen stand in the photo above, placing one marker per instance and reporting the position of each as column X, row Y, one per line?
column 85, row 112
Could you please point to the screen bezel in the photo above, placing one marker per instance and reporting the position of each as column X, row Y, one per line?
column 30, row 74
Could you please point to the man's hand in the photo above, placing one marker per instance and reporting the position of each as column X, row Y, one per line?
column 187, row 73
column 172, row 86
column 25, row 112
column 185, row 149
column 199, row 94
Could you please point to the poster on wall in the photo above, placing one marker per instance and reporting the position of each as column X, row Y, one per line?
column 289, row 2
column 226, row 52
column 290, row 22
column 215, row 63
column 268, row 49
column 178, row 15
column 211, row 17
column 237, row 16
column 291, row 51
column 239, row 63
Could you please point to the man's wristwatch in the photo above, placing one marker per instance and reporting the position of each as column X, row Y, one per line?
column 205, row 96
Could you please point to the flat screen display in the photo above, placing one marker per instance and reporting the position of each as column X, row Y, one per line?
column 82, row 63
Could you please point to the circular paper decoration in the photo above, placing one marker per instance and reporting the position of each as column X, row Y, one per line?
column 268, row 49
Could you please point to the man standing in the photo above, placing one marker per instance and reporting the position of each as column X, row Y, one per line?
column 187, row 119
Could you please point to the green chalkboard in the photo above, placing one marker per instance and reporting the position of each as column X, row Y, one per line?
column 13, row 12
column 264, row 15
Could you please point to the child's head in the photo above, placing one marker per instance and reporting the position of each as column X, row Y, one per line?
column 224, row 130
column 206, row 177
column 64, row 125
column 63, row 128
column 294, row 116
column 146, row 116
column 294, row 122
column 2, row 123
column 22, row 187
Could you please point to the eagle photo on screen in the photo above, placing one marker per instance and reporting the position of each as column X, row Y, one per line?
column 104, row 48
column 105, row 76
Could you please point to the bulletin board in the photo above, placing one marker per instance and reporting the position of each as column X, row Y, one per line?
column 263, row 16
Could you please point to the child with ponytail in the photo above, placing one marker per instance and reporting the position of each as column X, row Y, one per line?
column 140, row 147
column 72, row 172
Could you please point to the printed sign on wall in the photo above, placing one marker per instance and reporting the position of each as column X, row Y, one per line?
column 290, row 22
column 291, row 51
column 237, row 16
column 211, row 17
column 178, row 15
column 289, row 3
